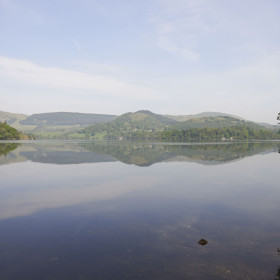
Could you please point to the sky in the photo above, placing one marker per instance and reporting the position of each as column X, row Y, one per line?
column 176, row 57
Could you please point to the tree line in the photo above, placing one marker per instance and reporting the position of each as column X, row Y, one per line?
column 199, row 134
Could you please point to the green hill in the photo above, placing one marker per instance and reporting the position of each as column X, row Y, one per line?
column 148, row 121
column 130, row 123
column 215, row 122
column 53, row 125
column 145, row 120
column 145, row 125
column 66, row 118
column 161, row 118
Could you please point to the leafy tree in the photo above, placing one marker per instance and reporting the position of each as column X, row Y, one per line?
column 8, row 133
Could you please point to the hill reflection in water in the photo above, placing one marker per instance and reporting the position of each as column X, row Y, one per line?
column 140, row 154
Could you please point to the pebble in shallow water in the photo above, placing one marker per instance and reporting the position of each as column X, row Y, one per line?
column 202, row 242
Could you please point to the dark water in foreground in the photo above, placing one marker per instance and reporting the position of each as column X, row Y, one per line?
column 137, row 211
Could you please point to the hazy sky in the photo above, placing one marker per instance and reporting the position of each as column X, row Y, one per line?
column 167, row 56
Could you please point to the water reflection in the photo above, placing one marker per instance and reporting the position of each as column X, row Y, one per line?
column 278, row 273
column 6, row 148
column 140, row 154
column 278, row 269
column 90, row 211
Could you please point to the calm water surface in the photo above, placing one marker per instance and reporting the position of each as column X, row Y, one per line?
column 137, row 211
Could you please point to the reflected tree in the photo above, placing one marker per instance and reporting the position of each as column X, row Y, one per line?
column 278, row 269
column 5, row 148
column 278, row 273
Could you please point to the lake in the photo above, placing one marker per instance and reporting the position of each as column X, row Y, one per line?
column 98, row 210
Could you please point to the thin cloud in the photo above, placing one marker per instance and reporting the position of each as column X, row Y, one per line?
column 178, row 28
column 78, row 47
column 29, row 74
column 201, row 29
column 166, row 44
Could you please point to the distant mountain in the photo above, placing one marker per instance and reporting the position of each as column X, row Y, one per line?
column 12, row 119
column 182, row 118
column 270, row 126
column 66, row 118
column 55, row 125
column 216, row 122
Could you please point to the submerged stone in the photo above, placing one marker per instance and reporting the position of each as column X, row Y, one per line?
column 202, row 242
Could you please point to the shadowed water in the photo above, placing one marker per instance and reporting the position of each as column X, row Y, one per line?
column 95, row 210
